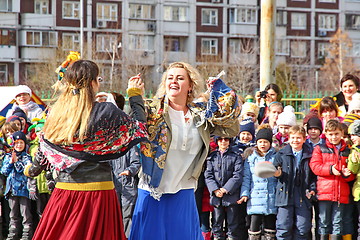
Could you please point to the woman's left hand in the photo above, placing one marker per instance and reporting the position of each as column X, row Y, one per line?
column 136, row 82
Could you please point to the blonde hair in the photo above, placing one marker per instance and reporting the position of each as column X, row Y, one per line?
column 197, row 83
column 9, row 127
column 297, row 129
column 69, row 116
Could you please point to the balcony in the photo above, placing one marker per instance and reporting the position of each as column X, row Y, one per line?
column 176, row 56
column 140, row 57
column 9, row 19
column 7, row 52
column 38, row 20
column 236, row 29
column 37, row 54
column 182, row 28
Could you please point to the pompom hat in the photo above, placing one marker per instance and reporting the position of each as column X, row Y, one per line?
column 354, row 128
column 249, row 107
column 287, row 117
column 247, row 125
column 355, row 102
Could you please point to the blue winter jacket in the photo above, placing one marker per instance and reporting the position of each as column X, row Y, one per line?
column 224, row 172
column 16, row 183
column 303, row 176
column 260, row 191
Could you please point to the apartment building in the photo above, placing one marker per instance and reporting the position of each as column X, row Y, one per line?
column 131, row 36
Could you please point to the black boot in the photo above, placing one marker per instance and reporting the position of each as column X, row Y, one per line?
column 324, row 236
column 254, row 235
column 269, row 234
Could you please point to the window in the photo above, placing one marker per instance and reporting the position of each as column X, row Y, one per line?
column 71, row 10
column 3, row 73
column 42, row 39
column 105, row 43
column 352, row 21
column 142, row 11
column 356, row 49
column 173, row 13
column 209, row 46
column 141, row 42
column 298, row 21
column 71, row 41
column 243, row 15
column 328, row 1
column 7, row 37
column 323, row 49
column 327, row 22
column 174, row 44
column 41, row 6
column 209, row 16
column 281, row 18
column 6, row 5
column 282, row 47
column 298, row 49
column 107, row 11
column 242, row 46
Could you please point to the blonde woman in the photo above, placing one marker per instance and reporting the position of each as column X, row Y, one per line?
column 179, row 137
column 79, row 136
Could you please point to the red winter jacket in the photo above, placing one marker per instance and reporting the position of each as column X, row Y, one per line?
column 330, row 187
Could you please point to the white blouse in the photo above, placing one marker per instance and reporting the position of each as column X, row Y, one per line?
column 185, row 145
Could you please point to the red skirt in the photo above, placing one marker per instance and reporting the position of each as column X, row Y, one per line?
column 85, row 215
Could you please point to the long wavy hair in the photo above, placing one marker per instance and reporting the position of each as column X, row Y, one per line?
column 197, row 83
column 69, row 116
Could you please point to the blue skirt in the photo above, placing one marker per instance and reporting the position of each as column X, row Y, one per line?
column 174, row 217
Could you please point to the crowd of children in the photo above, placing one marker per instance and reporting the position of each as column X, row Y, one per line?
column 311, row 169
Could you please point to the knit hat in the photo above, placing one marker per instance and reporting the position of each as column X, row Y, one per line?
column 350, row 118
column 13, row 118
column 22, row 89
column 287, row 117
column 264, row 133
column 249, row 107
column 354, row 128
column 314, row 122
column 19, row 136
column 20, row 113
column 2, row 121
column 355, row 102
column 248, row 125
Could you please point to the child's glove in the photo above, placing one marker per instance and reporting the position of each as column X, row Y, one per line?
column 33, row 196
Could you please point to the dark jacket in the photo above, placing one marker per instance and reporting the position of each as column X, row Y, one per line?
column 224, row 171
column 126, row 186
column 292, row 176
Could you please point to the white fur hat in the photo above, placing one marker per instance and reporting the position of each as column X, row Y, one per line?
column 355, row 102
column 287, row 117
column 22, row 89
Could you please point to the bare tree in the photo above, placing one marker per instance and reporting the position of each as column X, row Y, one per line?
column 338, row 61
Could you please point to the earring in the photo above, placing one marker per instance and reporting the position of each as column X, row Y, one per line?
column 189, row 92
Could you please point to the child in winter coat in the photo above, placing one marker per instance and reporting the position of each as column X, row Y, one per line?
column 329, row 163
column 285, row 120
column 296, row 185
column 354, row 163
column 246, row 137
column 17, row 188
column 223, row 177
column 314, row 129
column 259, row 193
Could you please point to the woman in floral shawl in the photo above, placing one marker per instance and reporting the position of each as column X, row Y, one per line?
column 179, row 135
column 79, row 136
